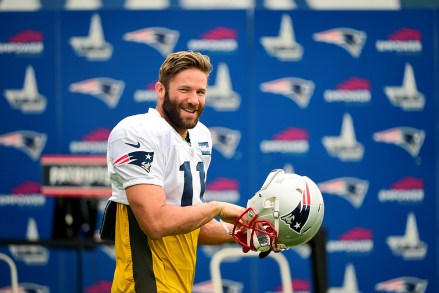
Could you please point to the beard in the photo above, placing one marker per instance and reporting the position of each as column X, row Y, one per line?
column 172, row 110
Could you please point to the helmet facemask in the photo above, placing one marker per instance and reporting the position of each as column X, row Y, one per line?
column 253, row 233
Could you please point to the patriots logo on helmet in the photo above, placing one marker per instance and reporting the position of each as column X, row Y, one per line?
column 297, row 218
column 139, row 158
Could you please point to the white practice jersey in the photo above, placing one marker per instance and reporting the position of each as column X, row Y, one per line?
column 145, row 149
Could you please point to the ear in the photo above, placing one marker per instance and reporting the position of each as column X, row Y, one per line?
column 160, row 90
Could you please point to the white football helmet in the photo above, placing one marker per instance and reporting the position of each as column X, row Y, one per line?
column 287, row 211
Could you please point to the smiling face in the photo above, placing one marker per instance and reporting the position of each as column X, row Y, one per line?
column 183, row 103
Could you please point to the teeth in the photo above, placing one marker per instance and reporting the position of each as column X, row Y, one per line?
column 188, row 110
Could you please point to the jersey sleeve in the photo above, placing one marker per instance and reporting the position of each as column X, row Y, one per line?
column 135, row 158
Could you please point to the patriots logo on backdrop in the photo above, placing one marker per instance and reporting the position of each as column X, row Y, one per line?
column 225, row 140
column 297, row 218
column 408, row 138
column 106, row 89
column 284, row 45
column 406, row 96
column 349, row 39
column 296, row 89
column 350, row 283
column 345, row 146
column 403, row 285
column 222, row 97
column 29, row 142
column 93, row 47
column 160, row 38
column 139, row 158
column 352, row 189
column 408, row 246
column 27, row 99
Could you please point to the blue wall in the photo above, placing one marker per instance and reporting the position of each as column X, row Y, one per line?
column 338, row 72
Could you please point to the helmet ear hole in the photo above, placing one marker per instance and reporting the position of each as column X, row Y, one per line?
column 269, row 202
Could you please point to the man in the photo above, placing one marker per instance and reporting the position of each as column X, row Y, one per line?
column 157, row 164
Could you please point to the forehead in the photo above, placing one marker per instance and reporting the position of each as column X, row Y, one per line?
column 191, row 77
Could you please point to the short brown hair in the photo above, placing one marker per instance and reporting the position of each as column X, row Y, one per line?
column 178, row 61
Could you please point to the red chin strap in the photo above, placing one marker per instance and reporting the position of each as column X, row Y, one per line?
column 248, row 221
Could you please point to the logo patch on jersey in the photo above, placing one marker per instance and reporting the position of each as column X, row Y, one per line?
column 134, row 145
column 141, row 159
column 204, row 147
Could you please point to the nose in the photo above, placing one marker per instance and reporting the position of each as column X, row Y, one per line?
column 193, row 98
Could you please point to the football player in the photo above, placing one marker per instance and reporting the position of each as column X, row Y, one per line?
column 158, row 162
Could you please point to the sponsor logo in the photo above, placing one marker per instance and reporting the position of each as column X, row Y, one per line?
column 283, row 46
column 345, row 146
column 351, row 189
column 30, row 254
column 28, row 42
column 93, row 47
column 220, row 39
column 27, row 99
column 403, row 285
column 30, row 142
column 92, row 143
column 160, row 38
column 407, row 190
column 347, row 38
column 289, row 141
column 224, row 189
column 356, row 240
column 146, row 95
column 225, row 140
column 408, row 246
column 406, row 96
column 407, row 138
column 26, row 195
column 221, row 95
column 297, row 89
column 353, row 90
column 106, row 89
column 350, row 283
column 405, row 40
